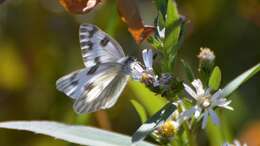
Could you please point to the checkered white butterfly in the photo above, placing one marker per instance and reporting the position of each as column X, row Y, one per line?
column 107, row 71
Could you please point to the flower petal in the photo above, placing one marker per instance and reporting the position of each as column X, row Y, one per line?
column 199, row 87
column 217, row 95
column 205, row 119
column 148, row 58
column 161, row 32
column 186, row 115
column 190, row 91
column 136, row 71
column 226, row 105
column 214, row 116
column 207, row 92
column 237, row 143
column 197, row 112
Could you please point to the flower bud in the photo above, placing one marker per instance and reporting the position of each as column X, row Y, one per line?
column 206, row 62
column 206, row 57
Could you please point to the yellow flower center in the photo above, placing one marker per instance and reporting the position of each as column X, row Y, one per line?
column 168, row 129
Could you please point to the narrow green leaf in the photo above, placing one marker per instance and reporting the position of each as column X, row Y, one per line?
column 188, row 71
column 75, row 134
column 156, row 43
column 161, row 6
column 140, row 110
column 215, row 78
column 154, row 122
column 172, row 26
column 233, row 85
column 182, row 25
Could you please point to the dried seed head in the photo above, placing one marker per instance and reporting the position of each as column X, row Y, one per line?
column 206, row 55
column 206, row 60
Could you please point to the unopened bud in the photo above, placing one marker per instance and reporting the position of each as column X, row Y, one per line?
column 206, row 61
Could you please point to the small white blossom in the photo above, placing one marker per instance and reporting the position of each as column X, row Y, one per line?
column 161, row 32
column 205, row 103
column 235, row 143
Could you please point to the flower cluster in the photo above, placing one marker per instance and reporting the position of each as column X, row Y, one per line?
column 204, row 100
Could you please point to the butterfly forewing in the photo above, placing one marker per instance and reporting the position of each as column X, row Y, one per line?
column 97, row 46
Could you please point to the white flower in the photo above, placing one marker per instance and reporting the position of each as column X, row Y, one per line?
column 235, row 143
column 137, row 69
column 205, row 102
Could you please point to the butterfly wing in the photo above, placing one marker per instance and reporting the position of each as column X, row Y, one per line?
column 77, row 83
column 103, row 94
column 97, row 46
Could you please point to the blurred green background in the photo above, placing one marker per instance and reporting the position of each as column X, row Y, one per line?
column 39, row 43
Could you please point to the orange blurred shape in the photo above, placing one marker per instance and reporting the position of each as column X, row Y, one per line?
column 250, row 9
column 79, row 6
column 130, row 15
column 251, row 134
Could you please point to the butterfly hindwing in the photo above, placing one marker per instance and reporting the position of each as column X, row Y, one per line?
column 97, row 46
column 103, row 98
column 77, row 83
column 69, row 84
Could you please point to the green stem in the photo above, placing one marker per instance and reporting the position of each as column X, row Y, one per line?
column 190, row 135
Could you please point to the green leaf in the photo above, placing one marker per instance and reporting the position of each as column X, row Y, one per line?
column 75, row 134
column 215, row 134
column 154, row 122
column 156, row 43
column 140, row 110
column 215, row 78
column 233, row 85
column 189, row 73
column 151, row 102
column 161, row 6
column 172, row 26
column 182, row 25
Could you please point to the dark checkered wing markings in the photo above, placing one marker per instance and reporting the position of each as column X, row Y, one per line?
column 76, row 83
column 106, row 99
column 97, row 46
column 70, row 84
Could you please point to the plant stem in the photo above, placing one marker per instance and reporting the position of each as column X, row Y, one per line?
column 190, row 136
